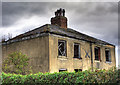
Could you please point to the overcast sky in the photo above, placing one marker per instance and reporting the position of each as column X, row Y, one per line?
column 97, row 19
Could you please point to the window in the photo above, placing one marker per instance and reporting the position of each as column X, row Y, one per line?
column 76, row 50
column 77, row 70
column 107, row 54
column 62, row 48
column 62, row 70
column 97, row 53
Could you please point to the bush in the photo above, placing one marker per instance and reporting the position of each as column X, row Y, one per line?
column 16, row 63
column 85, row 77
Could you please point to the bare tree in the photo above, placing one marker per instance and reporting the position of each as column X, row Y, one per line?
column 3, row 38
column 9, row 36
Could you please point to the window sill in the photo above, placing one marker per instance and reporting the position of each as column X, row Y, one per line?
column 97, row 60
column 108, row 62
column 62, row 57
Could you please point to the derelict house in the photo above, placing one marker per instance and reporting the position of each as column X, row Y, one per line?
column 55, row 47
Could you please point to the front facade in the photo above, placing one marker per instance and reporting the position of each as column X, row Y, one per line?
column 54, row 48
column 78, row 55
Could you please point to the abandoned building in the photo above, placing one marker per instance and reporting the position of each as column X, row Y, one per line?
column 55, row 47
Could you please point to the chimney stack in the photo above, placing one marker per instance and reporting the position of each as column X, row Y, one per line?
column 59, row 19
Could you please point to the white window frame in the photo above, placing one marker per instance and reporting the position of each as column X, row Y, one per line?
column 65, row 48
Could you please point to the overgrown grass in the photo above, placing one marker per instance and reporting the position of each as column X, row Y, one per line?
column 85, row 77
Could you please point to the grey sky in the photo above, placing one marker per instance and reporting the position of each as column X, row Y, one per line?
column 0, row 13
column 61, row 1
column 97, row 19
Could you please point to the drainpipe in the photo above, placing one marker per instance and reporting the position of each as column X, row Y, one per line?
column 91, row 56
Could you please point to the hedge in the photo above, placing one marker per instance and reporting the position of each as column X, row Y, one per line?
column 85, row 77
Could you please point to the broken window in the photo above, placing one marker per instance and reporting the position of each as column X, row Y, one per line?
column 62, row 48
column 107, row 54
column 77, row 70
column 97, row 53
column 76, row 50
column 62, row 70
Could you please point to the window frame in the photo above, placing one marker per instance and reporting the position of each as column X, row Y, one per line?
column 65, row 48
column 109, row 57
column 62, row 69
column 98, row 53
column 79, row 57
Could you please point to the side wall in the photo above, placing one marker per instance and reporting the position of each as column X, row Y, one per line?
column 56, row 62
column 36, row 48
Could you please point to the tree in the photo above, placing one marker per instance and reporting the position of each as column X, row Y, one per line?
column 16, row 63
column 3, row 39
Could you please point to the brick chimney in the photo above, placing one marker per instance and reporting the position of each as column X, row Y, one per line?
column 59, row 19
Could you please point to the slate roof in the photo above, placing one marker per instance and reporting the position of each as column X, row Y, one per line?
column 53, row 29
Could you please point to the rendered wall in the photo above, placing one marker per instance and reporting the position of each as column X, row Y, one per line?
column 57, row 62
column 103, row 64
column 68, row 62
column 36, row 48
column 43, row 52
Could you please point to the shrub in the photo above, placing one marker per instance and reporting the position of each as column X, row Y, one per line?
column 16, row 63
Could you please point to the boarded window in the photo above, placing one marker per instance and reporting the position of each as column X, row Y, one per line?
column 97, row 53
column 62, row 70
column 76, row 50
column 77, row 70
column 107, row 54
column 62, row 48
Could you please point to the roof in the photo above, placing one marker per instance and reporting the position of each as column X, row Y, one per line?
column 54, row 29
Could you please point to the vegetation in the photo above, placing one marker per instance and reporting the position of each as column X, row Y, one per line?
column 16, row 63
column 98, row 76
